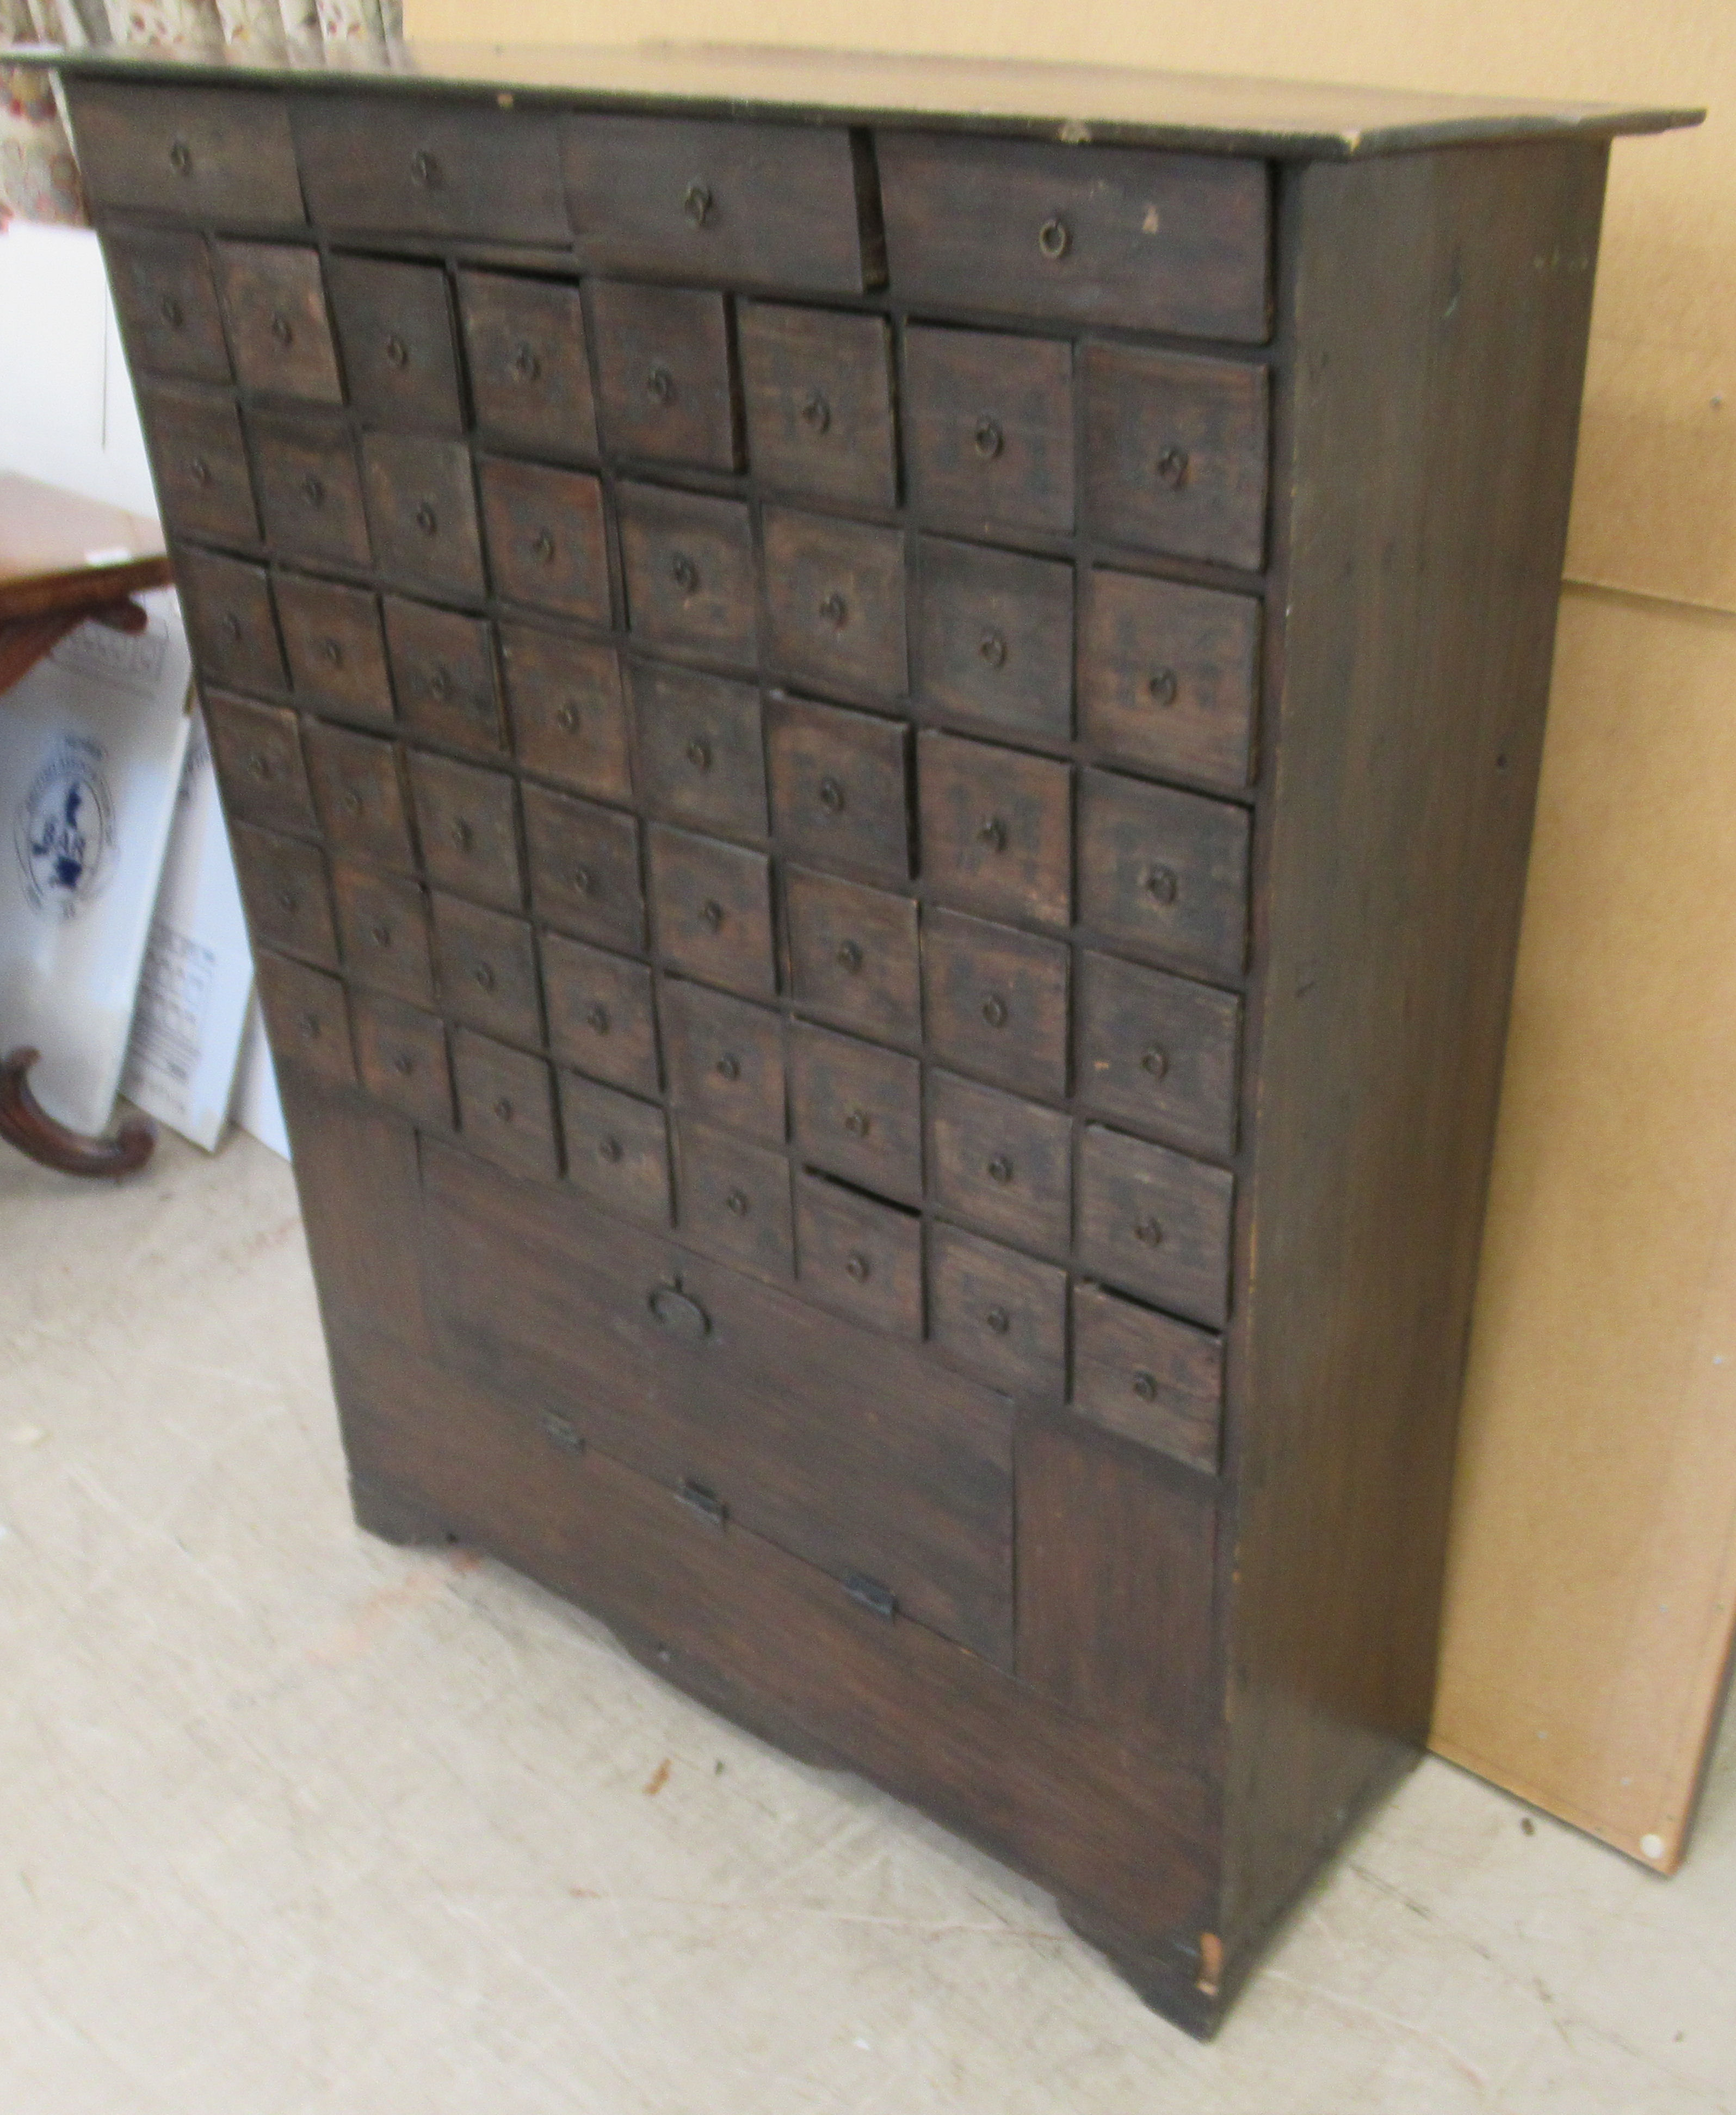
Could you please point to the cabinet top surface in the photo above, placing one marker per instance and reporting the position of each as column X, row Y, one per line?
column 1078, row 104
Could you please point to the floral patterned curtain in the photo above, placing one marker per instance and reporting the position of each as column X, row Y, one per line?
column 38, row 176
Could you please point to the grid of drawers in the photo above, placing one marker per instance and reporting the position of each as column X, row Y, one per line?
column 782, row 767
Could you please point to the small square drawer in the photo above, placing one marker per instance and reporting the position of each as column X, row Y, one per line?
column 429, row 165
column 284, row 886
column 422, row 512
column 257, row 750
column 856, row 1111
column 853, row 955
column 1176, row 452
column 336, row 647
column 443, row 669
column 725, row 1057
column 400, row 1055
column 841, row 787
column 995, row 637
column 989, row 427
column 1124, row 236
column 487, row 969
column 274, row 299
column 617, row 1149
column 359, row 792
column 732, row 1201
column 996, row 1001
column 600, row 1014
column 231, row 621
column 701, row 745
column 1147, row 1376
column 997, row 828
column 861, row 1258
column 718, row 201
column 689, row 563
column 569, row 716
column 1158, row 1052
column 395, row 324
column 1002, row 1314
column 529, row 372
column 468, row 822
column 713, row 906
column 1167, row 675
column 818, row 393
column 1164, row 872
column 387, row 941
column 310, row 487
column 200, row 462
column 307, row 1017
column 506, row 1105
column 1003, row 1164
column 585, row 867
column 166, row 302
column 546, row 541
column 663, row 386
column 834, row 594
column 195, row 153
column 1155, row 1222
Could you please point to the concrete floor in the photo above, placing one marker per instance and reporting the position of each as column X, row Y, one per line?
column 294, row 1823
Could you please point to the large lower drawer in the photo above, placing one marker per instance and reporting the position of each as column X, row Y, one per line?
column 863, row 1458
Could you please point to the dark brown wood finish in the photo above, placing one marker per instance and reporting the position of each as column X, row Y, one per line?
column 287, row 898
column 834, row 594
column 358, row 789
column 569, row 716
column 257, row 750
column 309, row 485
column 601, row 1018
column 335, row 647
column 664, row 389
column 200, row 462
column 530, row 371
column 546, row 539
column 443, row 670
column 856, row 1111
column 701, row 749
column 401, row 1058
column 690, row 572
column 817, row 388
column 395, row 324
column 387, row 943
column 853, row 955
column 274, row 300
column 841, row 787
column 990, row 424
column 725, row 1058
column 166, row 300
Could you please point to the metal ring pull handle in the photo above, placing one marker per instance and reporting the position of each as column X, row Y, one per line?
column 1054, row 238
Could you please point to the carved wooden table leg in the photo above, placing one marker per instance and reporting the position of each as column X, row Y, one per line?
column 26, row 1124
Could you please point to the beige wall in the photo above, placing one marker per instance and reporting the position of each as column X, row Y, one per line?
column 1594, row 1556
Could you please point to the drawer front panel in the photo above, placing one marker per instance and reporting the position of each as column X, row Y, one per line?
column 529, row 367
column 166, row 300
column 856, row 1111
column 337, row 648
column 274, row 299
column 283, row 886
column 690, row 572
column 834, row 594
column 200, row 462
column 1003, row 1164
column 1121, row 235
column 663, row 385
column 547, row 544
column 396, row 325
column 310, row 488
column 600, row 1015
column 1176, row 452
column 997, row 828
column 401, row 1057
column 468, row 823
column 863, row 1258
column 569, row 716
column 307, row 1017
column 1001, row 1313
column 1158, row 1052
column 200, row 153
column 1166, row 873
column 726, row 1059
column 1147, row 1376
column 701, row 749
column 231, row 621
column 257, row 750
column 428, row 167
column 1167, row 675
column 754, row 205
column 995, row 638
column 990, row 423
column 617, row 1149
column 487, row 963
column 853, row 955
column 506, row 1105
column 443, row 667
column 732, row 1201
column 387, row 940
column 841, row 791
column 359, row 791
column 422, row 512
column 817, row 389
column 997, row 1002
column 712, row 906
column 1155, row 1222
column 585, row 867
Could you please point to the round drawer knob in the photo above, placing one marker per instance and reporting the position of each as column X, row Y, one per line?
column 525, row 366
column 1155, row 1060
column 608, row 1149
column 696, row 203
column 1161, row 884
column 736, row 1204
column 199, row 471
column 567, row 718
column 684, row 572
column 831, row 796
column 258, row 765
column 181, row 157
column 711, row 914
column 542, row 547
column 403, row 1064
column 313, row 490
column 504, row 1110
column 1054, row 238
column 380, row 935
column 848, row 957
column 857, row 1123
column 463, row 835
column 994, row 1010
column 835, row 610
column 698, row 753
column 998, row 1321
column 352, row 802
column 439, row 686
column 992, row 647
column 397, row 353
column 1172, row 468
column 1144, row 1387
column 584, row 881
column 1163, row 687
column 427, row 520
column 483, row 977
column 308, row 1025
column 989, row 438
column 330, row 652
column 286, row 899
column 596, row 1018
column 999, row 1169
column 231, row 627
column 1149, row 1234
column 169, row 309
column 729, row 1067
column 660, row 386
column 423, row 169
column 282, row 328
column 992, row 831
column 816, row 413
column 858, row 1266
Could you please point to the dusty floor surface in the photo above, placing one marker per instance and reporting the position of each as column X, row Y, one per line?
column 294, row 1823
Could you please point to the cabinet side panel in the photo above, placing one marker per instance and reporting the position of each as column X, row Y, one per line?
column 1440, row 304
